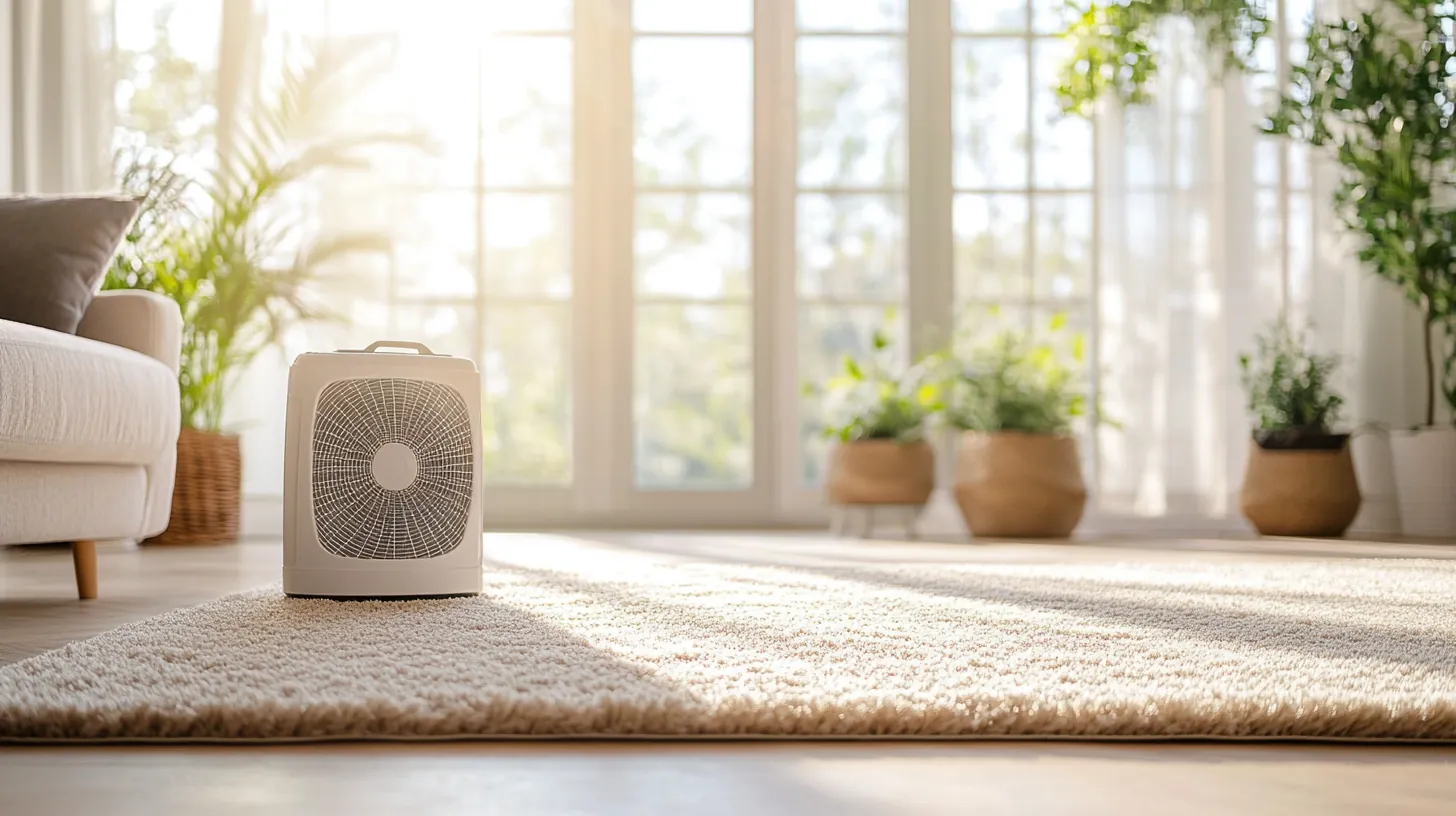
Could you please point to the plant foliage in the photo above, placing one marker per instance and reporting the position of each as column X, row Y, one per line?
column 220, row 246
column 875, row 398
column 1378, row 89
column 1288, row 386
column 1114, row 45
column 1015, row 383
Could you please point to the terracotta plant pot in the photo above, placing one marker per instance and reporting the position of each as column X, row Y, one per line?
column 1306, row 488
column 1015, row 485
column 1425, row 481
column 881, row 471
column 207, row 496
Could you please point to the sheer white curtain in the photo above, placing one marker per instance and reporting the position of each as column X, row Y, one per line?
column 55, row 95
column 1209, row 230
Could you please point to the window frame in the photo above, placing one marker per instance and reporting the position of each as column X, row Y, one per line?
column 602, row 490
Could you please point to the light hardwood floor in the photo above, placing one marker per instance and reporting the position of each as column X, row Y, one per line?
column 39, row 611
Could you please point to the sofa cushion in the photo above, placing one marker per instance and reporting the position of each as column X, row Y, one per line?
column 54, row 251
column 69, row 399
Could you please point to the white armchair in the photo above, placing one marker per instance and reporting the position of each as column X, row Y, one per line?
column 88, row 427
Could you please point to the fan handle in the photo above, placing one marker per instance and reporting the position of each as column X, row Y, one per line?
column 419, row 348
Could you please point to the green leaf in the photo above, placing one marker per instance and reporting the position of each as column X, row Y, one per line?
column 1375, row 91
column 1112, row 54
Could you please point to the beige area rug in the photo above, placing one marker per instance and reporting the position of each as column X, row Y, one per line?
column 596, row 638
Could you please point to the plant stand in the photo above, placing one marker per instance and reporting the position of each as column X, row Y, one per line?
column 844, row 519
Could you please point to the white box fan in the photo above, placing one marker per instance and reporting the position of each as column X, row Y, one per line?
column 382, row 475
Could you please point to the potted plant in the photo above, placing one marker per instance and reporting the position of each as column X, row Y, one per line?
column 1375, row 90
column 1300, row 478
column 876, row 413
column 215, row 245
column 1018, row 471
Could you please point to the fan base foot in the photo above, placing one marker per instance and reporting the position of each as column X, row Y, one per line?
column 382, row 583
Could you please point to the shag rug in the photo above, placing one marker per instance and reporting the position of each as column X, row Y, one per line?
column 601, row 639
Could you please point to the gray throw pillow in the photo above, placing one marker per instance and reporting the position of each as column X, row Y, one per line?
column 54, row 250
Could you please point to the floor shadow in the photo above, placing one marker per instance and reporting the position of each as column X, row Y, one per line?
column 1321, row 549
column 960, row 551
column 1325, row 639
column 1238, row 625
column 327, row 669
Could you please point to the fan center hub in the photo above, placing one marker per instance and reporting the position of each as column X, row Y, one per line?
column 395, row 466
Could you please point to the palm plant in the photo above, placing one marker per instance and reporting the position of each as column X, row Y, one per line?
column 213, row 244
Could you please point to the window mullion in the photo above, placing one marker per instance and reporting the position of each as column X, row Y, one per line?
column 929, row 228
column 1030, row 261
column 617, row 306
column 775, row 259
column 599, row 113
column 482, row 241
column 1281, row 62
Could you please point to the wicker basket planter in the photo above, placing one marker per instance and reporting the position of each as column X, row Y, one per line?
column 207, row 497
column 1016, row 485
column 1303, row 486
column 881, row 471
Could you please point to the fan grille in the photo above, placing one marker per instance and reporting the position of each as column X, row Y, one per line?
column 355, row 515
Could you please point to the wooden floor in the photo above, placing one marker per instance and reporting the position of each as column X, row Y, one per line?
column 38, row 611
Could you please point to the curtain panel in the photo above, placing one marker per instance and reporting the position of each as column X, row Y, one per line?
column 1210, row 230
column 55, row 96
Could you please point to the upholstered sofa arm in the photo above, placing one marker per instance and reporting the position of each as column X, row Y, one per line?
column 141, row 321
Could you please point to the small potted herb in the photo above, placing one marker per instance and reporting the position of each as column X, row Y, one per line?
column 876, row 412
column 1300, row 479
column 1018, row 472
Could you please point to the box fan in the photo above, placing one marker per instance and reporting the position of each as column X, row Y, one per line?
column 382, row 474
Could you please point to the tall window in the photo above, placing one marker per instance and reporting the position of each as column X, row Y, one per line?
column 692, row 367
column 650, row 221
column 1023, row 173
column 483, row 223
column 1025, row 248
column 851, row 184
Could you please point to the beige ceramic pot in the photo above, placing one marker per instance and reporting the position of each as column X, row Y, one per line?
column 1307, row 493
column 1015, row 485
column 881, row 471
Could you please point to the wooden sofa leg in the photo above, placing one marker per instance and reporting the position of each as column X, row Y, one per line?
column 84, row 554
